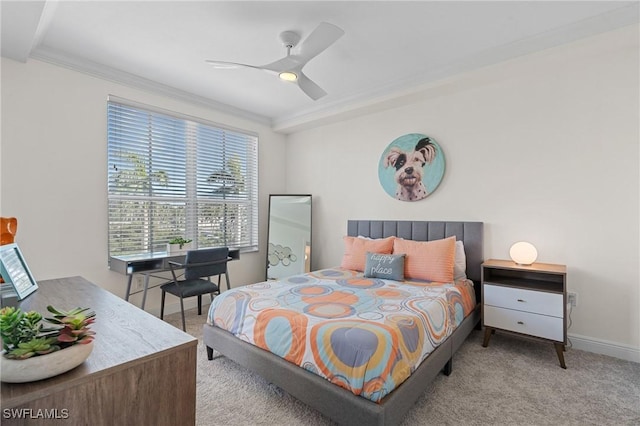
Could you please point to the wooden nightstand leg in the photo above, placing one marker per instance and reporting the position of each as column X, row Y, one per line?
column 560, row 352
column 487, row 335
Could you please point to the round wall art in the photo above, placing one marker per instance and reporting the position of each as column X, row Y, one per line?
column 411, row 167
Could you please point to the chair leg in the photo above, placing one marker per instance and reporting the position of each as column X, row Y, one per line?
column 199, row 304
column 162, row 305
column 226, row 275
column 184, row 327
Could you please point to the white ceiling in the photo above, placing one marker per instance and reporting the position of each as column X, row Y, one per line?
column 388, row 47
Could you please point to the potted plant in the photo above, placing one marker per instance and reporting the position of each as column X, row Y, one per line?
column 178, row 245
column 33, row 351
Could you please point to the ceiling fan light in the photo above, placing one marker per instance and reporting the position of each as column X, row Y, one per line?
column 288, row 76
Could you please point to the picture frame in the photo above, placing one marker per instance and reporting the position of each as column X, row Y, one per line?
column 411, row 167
column 15, row 271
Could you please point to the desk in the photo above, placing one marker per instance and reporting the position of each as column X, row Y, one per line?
column 149, row 264
column 142, row 371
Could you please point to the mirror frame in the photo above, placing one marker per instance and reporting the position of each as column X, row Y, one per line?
column 271, row 197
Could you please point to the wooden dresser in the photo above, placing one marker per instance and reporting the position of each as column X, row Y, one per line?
column 142, row 371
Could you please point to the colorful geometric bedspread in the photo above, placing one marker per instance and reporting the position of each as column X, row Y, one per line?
column 366, row 335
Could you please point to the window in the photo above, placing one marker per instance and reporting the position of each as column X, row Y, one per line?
column 175, row 176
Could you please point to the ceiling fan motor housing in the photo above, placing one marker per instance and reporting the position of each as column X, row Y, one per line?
column 289, row 39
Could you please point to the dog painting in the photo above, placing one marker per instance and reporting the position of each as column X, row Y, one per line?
column 411, row 167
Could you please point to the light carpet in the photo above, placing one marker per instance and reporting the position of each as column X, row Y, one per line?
column 514, row 381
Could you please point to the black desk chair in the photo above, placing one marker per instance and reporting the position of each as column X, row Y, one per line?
column 199, row 267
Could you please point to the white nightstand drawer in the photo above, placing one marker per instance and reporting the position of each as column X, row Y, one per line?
column 538, row 302
column 524, row 322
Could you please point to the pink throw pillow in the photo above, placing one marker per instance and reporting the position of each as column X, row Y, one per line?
column 428, row 260
column 355, row 250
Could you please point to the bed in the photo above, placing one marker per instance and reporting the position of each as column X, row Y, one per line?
column 338, row 402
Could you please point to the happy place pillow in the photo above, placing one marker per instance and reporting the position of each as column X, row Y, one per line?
column 428, row 260
column 355, row 250
column 385, row 266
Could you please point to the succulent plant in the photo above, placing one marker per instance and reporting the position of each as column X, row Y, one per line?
column 180, row 241
column 36, row 346
column 75, row 325
column 24, row 335
column 17, row 326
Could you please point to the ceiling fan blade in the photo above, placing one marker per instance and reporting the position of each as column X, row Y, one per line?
column 288, row 63
column 312, row 90
column 291, row 66
column 322, row 37
column 229, row 65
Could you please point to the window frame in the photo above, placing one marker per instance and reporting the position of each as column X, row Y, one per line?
column 243, row 203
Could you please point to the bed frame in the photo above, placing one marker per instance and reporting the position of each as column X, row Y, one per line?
column 337, row 403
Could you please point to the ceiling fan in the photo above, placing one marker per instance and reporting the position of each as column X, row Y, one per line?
column 290, row 67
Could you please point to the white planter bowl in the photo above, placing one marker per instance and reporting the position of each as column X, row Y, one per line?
column 43, row 366
column 174, row 249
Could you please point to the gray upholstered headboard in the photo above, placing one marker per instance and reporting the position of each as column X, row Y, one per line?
column 470, row 233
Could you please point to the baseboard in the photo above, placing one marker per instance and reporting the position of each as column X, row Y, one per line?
column 604, row 347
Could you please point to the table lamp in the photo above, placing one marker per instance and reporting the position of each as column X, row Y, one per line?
column 523, row 253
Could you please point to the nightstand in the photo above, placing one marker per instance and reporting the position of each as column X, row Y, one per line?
column 529, row 300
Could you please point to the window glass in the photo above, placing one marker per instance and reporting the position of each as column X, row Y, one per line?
column 175, row 176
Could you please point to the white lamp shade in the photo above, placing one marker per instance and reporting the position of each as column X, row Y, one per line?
column 523, row 253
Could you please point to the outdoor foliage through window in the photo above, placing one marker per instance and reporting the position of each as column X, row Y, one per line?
column 171, row 176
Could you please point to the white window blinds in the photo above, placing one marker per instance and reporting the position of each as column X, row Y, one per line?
column 175, row 176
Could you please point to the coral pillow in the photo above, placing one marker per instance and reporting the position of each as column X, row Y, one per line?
column 428, row 260
column 355, row 250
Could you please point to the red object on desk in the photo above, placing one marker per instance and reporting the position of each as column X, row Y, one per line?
column 8, row 229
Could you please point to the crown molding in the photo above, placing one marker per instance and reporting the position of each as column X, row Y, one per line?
column 104, row 72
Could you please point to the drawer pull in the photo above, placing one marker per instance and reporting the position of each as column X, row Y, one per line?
column 520, row 322
column 520, row 300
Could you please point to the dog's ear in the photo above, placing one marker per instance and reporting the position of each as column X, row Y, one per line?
column 392, row 157
column 426, row 150
column 422, row 143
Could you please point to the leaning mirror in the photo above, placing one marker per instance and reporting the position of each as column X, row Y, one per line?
column 289, row 235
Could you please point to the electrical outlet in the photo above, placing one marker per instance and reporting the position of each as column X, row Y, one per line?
column 138, row 283
column 573, row 299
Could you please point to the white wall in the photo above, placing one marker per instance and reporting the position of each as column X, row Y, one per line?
column 543, row 148
column 53, row 171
